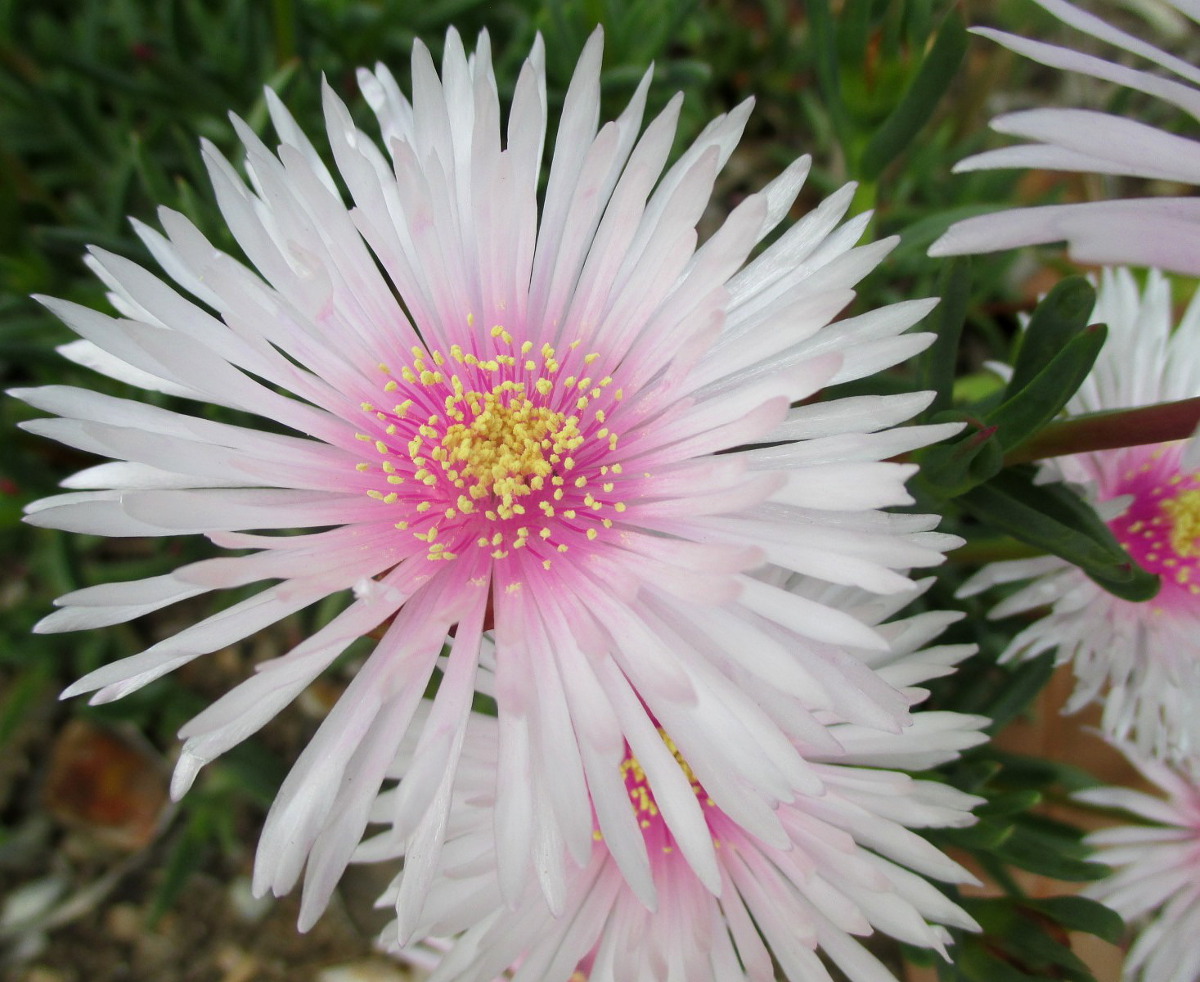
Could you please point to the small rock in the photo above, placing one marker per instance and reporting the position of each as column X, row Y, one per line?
column 246, row 906
column 124, row 922
column 236, row 964
column 107, row 783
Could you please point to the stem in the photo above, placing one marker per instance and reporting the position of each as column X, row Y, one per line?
column 1159, row 423
column 283, row 17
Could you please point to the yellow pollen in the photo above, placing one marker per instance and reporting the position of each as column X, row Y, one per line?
column 499, row 435
column 1184, row 513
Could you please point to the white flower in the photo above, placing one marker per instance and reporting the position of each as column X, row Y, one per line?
column 1163, row 232
column 842, row 869
column 1142, row 659
column 507, row 421
column 1155, row 885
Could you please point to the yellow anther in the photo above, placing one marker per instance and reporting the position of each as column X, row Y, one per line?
column 1184, row 513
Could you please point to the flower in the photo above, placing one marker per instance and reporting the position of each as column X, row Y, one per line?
column 1164, row 231
column 843, row 869
column 569, row 431
column 1145, row 654
column 1155, row 885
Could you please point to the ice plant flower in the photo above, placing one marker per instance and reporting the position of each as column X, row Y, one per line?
column 844, row 869
column 567, row 426
column 1142, row 659
column 1155, row 883
column 1163, row 232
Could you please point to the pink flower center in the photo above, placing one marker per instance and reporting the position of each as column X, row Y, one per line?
column 511, row 451
column 1161, row 527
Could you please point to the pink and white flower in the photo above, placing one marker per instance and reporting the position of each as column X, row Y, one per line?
column 1142, row 660
column 843, row 869
column 1163, row 232
column 568, row 428
column 1155, row 884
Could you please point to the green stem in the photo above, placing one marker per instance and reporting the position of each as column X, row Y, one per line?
column 1159, row 423
column 283, row 17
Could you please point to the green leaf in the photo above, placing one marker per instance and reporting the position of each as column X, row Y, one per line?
column 1059, row 318
column 916, row 106
column 1024, row 684
column 1054, row 519
column 974, row 962
column 1038, row 950
column 824, row 46
column 188, row 856
column 949, row 470
column 1031, row 406
column 1082, row 914
column 1048, row 853
column 936, row 366
column 1010, row 803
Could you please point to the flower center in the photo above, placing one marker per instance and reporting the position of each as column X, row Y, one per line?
column 512, row 450
column 501, row 445
column 1161, row 528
